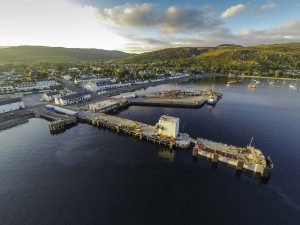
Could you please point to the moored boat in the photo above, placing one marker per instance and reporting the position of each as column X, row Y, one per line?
column 212, row 100
column 252, row 85
column 248, row 158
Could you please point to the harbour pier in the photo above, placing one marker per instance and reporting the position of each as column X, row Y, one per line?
column 173, row 98
column 57, row 122
column 133, row 128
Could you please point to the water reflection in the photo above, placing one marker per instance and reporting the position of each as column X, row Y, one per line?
column 166, row 153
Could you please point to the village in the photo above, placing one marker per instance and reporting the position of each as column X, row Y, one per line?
column 77, row 89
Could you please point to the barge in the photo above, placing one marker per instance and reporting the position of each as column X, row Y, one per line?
column 249, row 158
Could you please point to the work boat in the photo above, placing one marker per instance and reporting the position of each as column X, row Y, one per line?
column 212, row 100
column 214, row 97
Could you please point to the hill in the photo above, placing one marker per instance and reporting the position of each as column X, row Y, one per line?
column 37, row 54
column 259, row 60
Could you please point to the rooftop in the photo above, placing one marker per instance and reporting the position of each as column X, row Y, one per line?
column 169, row 119
column 75, row 95
column 52, row 93
column 6, row 101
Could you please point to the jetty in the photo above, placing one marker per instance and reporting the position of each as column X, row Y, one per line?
column 57, row 122
column 174, row 98
column 138, row 129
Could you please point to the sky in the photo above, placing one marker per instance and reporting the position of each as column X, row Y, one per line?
column 142, row 25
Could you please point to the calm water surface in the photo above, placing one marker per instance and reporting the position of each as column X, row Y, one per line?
column 90, row 176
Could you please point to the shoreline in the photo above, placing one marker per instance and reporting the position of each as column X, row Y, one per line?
column 273, row 78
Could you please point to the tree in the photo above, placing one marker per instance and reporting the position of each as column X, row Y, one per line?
column 121, row 73
column 277, row 74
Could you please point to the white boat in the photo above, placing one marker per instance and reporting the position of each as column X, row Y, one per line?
column 292, row 86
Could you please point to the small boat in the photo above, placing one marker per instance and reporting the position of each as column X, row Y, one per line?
column 257, row 81
column 230, row 82
column 252, row 85
column 292, row 86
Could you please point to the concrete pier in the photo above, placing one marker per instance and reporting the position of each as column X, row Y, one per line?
column 133, row 128
column 58, row 122
column 173, row 98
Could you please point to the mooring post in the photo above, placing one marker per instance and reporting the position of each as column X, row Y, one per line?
column 215, row 157
column 195, row 152
column 239, row 165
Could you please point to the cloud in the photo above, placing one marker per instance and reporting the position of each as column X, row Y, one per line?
column 268, row 6
column 171, row 20
column 287, row 32
column 54, row 23
column 284, row 33
column 289, row 29
column 130, row 15
column 263, row 8
column 176, row 19
column 233, row 10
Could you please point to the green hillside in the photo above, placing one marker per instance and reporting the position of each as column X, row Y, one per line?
column 37, row 54
column 258, row 60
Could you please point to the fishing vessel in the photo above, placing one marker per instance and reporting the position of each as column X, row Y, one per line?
column 248, row 158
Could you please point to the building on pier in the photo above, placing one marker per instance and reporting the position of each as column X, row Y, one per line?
column 168, row 126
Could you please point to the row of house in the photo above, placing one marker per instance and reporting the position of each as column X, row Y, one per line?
column 41, row 84
column 96, row 80
column 73, row 98
column 12, row 75
column 101, row 86
column 108, row 83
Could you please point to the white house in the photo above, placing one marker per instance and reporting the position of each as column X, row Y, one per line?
column 47, row 83
column 11, row 104
column 67, row 77
column 90, row 86
column 37, row 85
column 51, row 95
column 168, row 126
column 73, row 98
